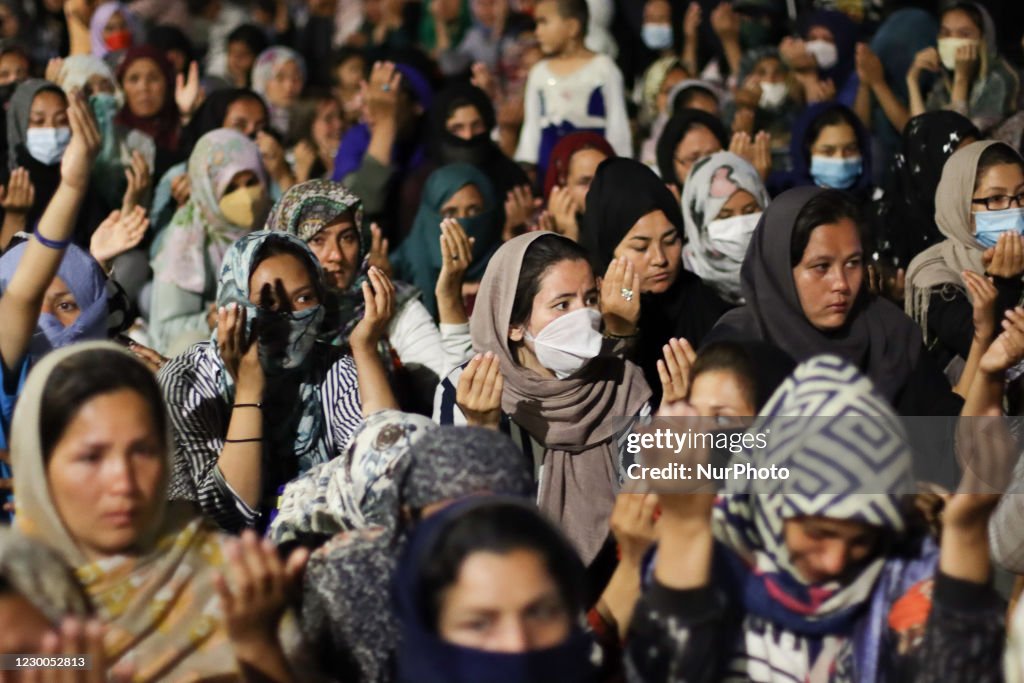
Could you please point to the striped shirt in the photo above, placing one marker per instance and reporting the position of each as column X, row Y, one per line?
column 200, row 413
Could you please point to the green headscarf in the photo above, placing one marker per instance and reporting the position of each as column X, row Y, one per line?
column 456, row 29
column 418, row 259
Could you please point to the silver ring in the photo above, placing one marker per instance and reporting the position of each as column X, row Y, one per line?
column 455, row 258
column 386, row 87
column 626, row 293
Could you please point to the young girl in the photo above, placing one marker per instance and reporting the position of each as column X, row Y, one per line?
column 572, row 89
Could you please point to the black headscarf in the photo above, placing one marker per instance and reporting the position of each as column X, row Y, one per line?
column 676, row 129
column 622, row 192
column 905, row 216
column 480, row 151
column 878, row 337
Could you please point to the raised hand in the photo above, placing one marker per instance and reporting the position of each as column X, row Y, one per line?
column 53, row 68
column 188, row 93
column 273, row 155
column 379, row 298
column 691, row 21
column 632, row 524
column 869, row 66
column 118, row 233
column 76, row 638
column 139, row 181
column 378, row 255
column 564, row 209
column 152, row 359
column 725, row 22
column 240, row 354
column 820, row 91
column 1008, row 348
column 966, row 61
column 19, row 196
column 85, row 144
column 983, row 303
column 181, row 189
column 478, row 393
column 380, row 94
column 675, row 370
column 1006, row 258
column 620, row 298
column 256, row 587
column 519, row 207
column 925, row 60
column 482, row 76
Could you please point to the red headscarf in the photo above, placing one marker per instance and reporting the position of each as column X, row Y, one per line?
column 165, row 126
column 561, row 155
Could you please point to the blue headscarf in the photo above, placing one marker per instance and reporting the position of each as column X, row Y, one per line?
column 846, row 34
column 424, row 657
column 85, row 281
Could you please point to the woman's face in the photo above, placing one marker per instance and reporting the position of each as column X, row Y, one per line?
column 582, row 167
column 830, row 275
column 672, row 79
column 741, row 203
column 282, row 284
column 820, row 33
column 465, row 203
column 240, row 61
column 285, row 85
column 13, row 68
column 769, row 70
column 106, row 473
column 242, row 179
column 247, row 116
column 838, row 141
column 115, row 24
column 327, row 126
column 505, row 603
column 49, row 110
column 823, row 549
column 351, row 72
column 9, row 24
column 337, row 249
column 722, row 394
column 699, row 142
column 565, row 287
column 144, row 88
column 98, row 84
column 1001, row 179
column 466, row 123
column 59, row 302
column 655, row 250
column 957, row 24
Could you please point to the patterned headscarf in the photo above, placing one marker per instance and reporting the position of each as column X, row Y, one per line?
column 199, row 230
column 160, row 603
column 87, row 283
column 712, row 182
column 308, row 208
column 299, row 432
column 848, row 459
column 356, row 490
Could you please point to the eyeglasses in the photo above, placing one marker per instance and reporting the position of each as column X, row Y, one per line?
column 1000, row 202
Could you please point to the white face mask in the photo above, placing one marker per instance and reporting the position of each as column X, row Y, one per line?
column 47, row 145
column 825, row 53
column 773, row 95
column 568, row 342
column 948, row 48
column 730, row 236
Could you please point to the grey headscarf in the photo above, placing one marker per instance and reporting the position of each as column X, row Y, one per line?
column 18, row 114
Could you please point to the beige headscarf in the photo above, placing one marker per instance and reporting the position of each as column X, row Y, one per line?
column 570, row 418
column 938, row 267
column 161, row 608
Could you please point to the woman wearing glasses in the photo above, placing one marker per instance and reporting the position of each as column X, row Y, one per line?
column 979, row 208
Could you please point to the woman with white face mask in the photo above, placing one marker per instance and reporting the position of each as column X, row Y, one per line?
column 722, row 203
column 540, row 373
column 974, row 80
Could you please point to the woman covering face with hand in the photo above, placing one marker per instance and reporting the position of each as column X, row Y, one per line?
column 264, row 400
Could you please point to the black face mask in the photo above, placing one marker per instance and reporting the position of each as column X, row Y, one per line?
column 475, row 151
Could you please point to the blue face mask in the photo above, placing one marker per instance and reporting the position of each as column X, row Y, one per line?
column 47, row 145
column 839, row 174
column 989, row 225
column 657, row 36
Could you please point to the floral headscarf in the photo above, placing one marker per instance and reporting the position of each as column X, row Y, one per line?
column 199, row 230
column 308, row 208
column 711, row 183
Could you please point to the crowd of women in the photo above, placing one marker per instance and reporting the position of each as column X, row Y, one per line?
column 327, row 325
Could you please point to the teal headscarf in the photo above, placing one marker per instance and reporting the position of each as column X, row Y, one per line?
column 456, row 29
column 418, row 259
column 287, row 343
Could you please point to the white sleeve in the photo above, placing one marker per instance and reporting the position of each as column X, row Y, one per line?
column 529, row 136
column 458, row 344
column 617, row 130
column 415, row 337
